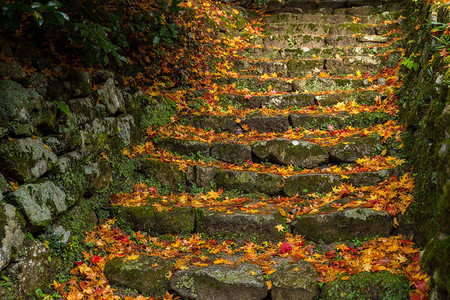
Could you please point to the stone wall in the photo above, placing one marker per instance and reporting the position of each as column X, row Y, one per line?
column 62, row 132
column 425, row 109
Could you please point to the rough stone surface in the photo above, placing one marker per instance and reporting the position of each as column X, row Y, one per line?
column 178, row 220
column 26, row 159
column 40, row 202
column 111, row 97
column 12, row 70
column 344, row 225
column 138, row 217
column 368, row 285
column 310, row 183
column 242, row 226
column 124, row 129
column 370, row 178
column 203, row 176
column 167, row 174
column 288, row 100
column 285, row 152
column 183, row 147
column 269, row 184
column 11, row 234
column 295, row 281
column 224, row 123
column 231, row 153
column 221, row 282
column 278, row 123
column 317, row 121
column 39, row 82
column 147, row 274
column 352, row 148
column 98, row 175
column 80, row 83
column 5, row 48
column 82, row 110
column 19, row 104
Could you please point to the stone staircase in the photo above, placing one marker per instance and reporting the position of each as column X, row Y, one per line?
column 306, row 113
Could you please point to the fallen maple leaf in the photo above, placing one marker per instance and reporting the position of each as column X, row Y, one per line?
column 279, row 227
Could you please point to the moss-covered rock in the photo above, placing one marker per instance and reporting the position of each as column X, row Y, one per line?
column 352, row 148
column 318, row 121
column 295, row 281
column 222, row 282
column 243, row 226
column 11, row 234
column 310, row 183
column 287, row 100
column 111, row 97
column 367, row 285
column 146, row 274
column 167, row 174
column 224, row 123
column 178, row 220
column 278, row 123
column 285, row 152
column 137, row 217
column 251, row 182
column 344, row 225
column 231, row 153
column 301, row 68
column 183, row 147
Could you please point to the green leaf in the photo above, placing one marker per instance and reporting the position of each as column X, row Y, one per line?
column 61, row 17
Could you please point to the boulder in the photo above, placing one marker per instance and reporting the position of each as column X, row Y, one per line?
column 224, row 123
column 98, row 175
column 371, row 178
column 310, row 183
column 241, row 225
column 288, row 100
column 124, row 130
column 344, row 225
column 368, row 285
column 58, row 90
column 286, row 152
column 11, row 234
column 220, row 282
column 39, row 82
column 19, row 104
column 318, row 121
column 111, row 97
column 251, row 182
column 139, row 218
column 146, row 274
column 295, row 281
column 178, row 220
column 352, row 148
column 231, row 153
column 26, row 159
column 82, row 110
column 40, row 203
column 202, row 176
column 12, row 70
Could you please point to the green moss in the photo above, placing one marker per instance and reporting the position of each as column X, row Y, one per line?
column 436, row 261
column 367, row 285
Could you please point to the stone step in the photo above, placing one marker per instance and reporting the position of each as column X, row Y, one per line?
column 364, row 15
column 281, row 151
column 326, row 29
column 170, row 176
column 318, row 41
column 330, row 6
column 306, row 52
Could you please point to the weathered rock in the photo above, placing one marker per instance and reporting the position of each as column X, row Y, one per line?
column 286, row 152
column 183, row 147
column 303, row 67
column 98, row 175
column 167, row 174
column 37, row 81
column 344, row 225
column 231, row 153
column 82, row 110
column 368, row 285
column 203, row 176
column 318, row 121
column 224, row 123
column 371, row 178
column 372, row 39
column 19, row 104
column 100, row 76
column 137, row 217
column 240, row 225
column 220, row 282
column 266, row 183
column 310, row 183
column 80, row 83
column 26, row 159
column 295, row 281
column 40, row 203
column 58, row 90
column 11, row 234
column 93, row 134
column 111, row 97
column 147, row 274
column 178, row 220
column 69, row 176
column 34, row 269
column 12, row 70
column 124, row 129
column 288, row 100
column 4, row 185
column 278, row 123
column 352, row 148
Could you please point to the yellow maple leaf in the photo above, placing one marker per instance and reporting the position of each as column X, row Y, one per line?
column 253, row 273
column 132, row 257
column 222, row 261
column 279, row 227
column 269, row 284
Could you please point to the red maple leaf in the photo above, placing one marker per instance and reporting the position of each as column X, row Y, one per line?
column 285, row 247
